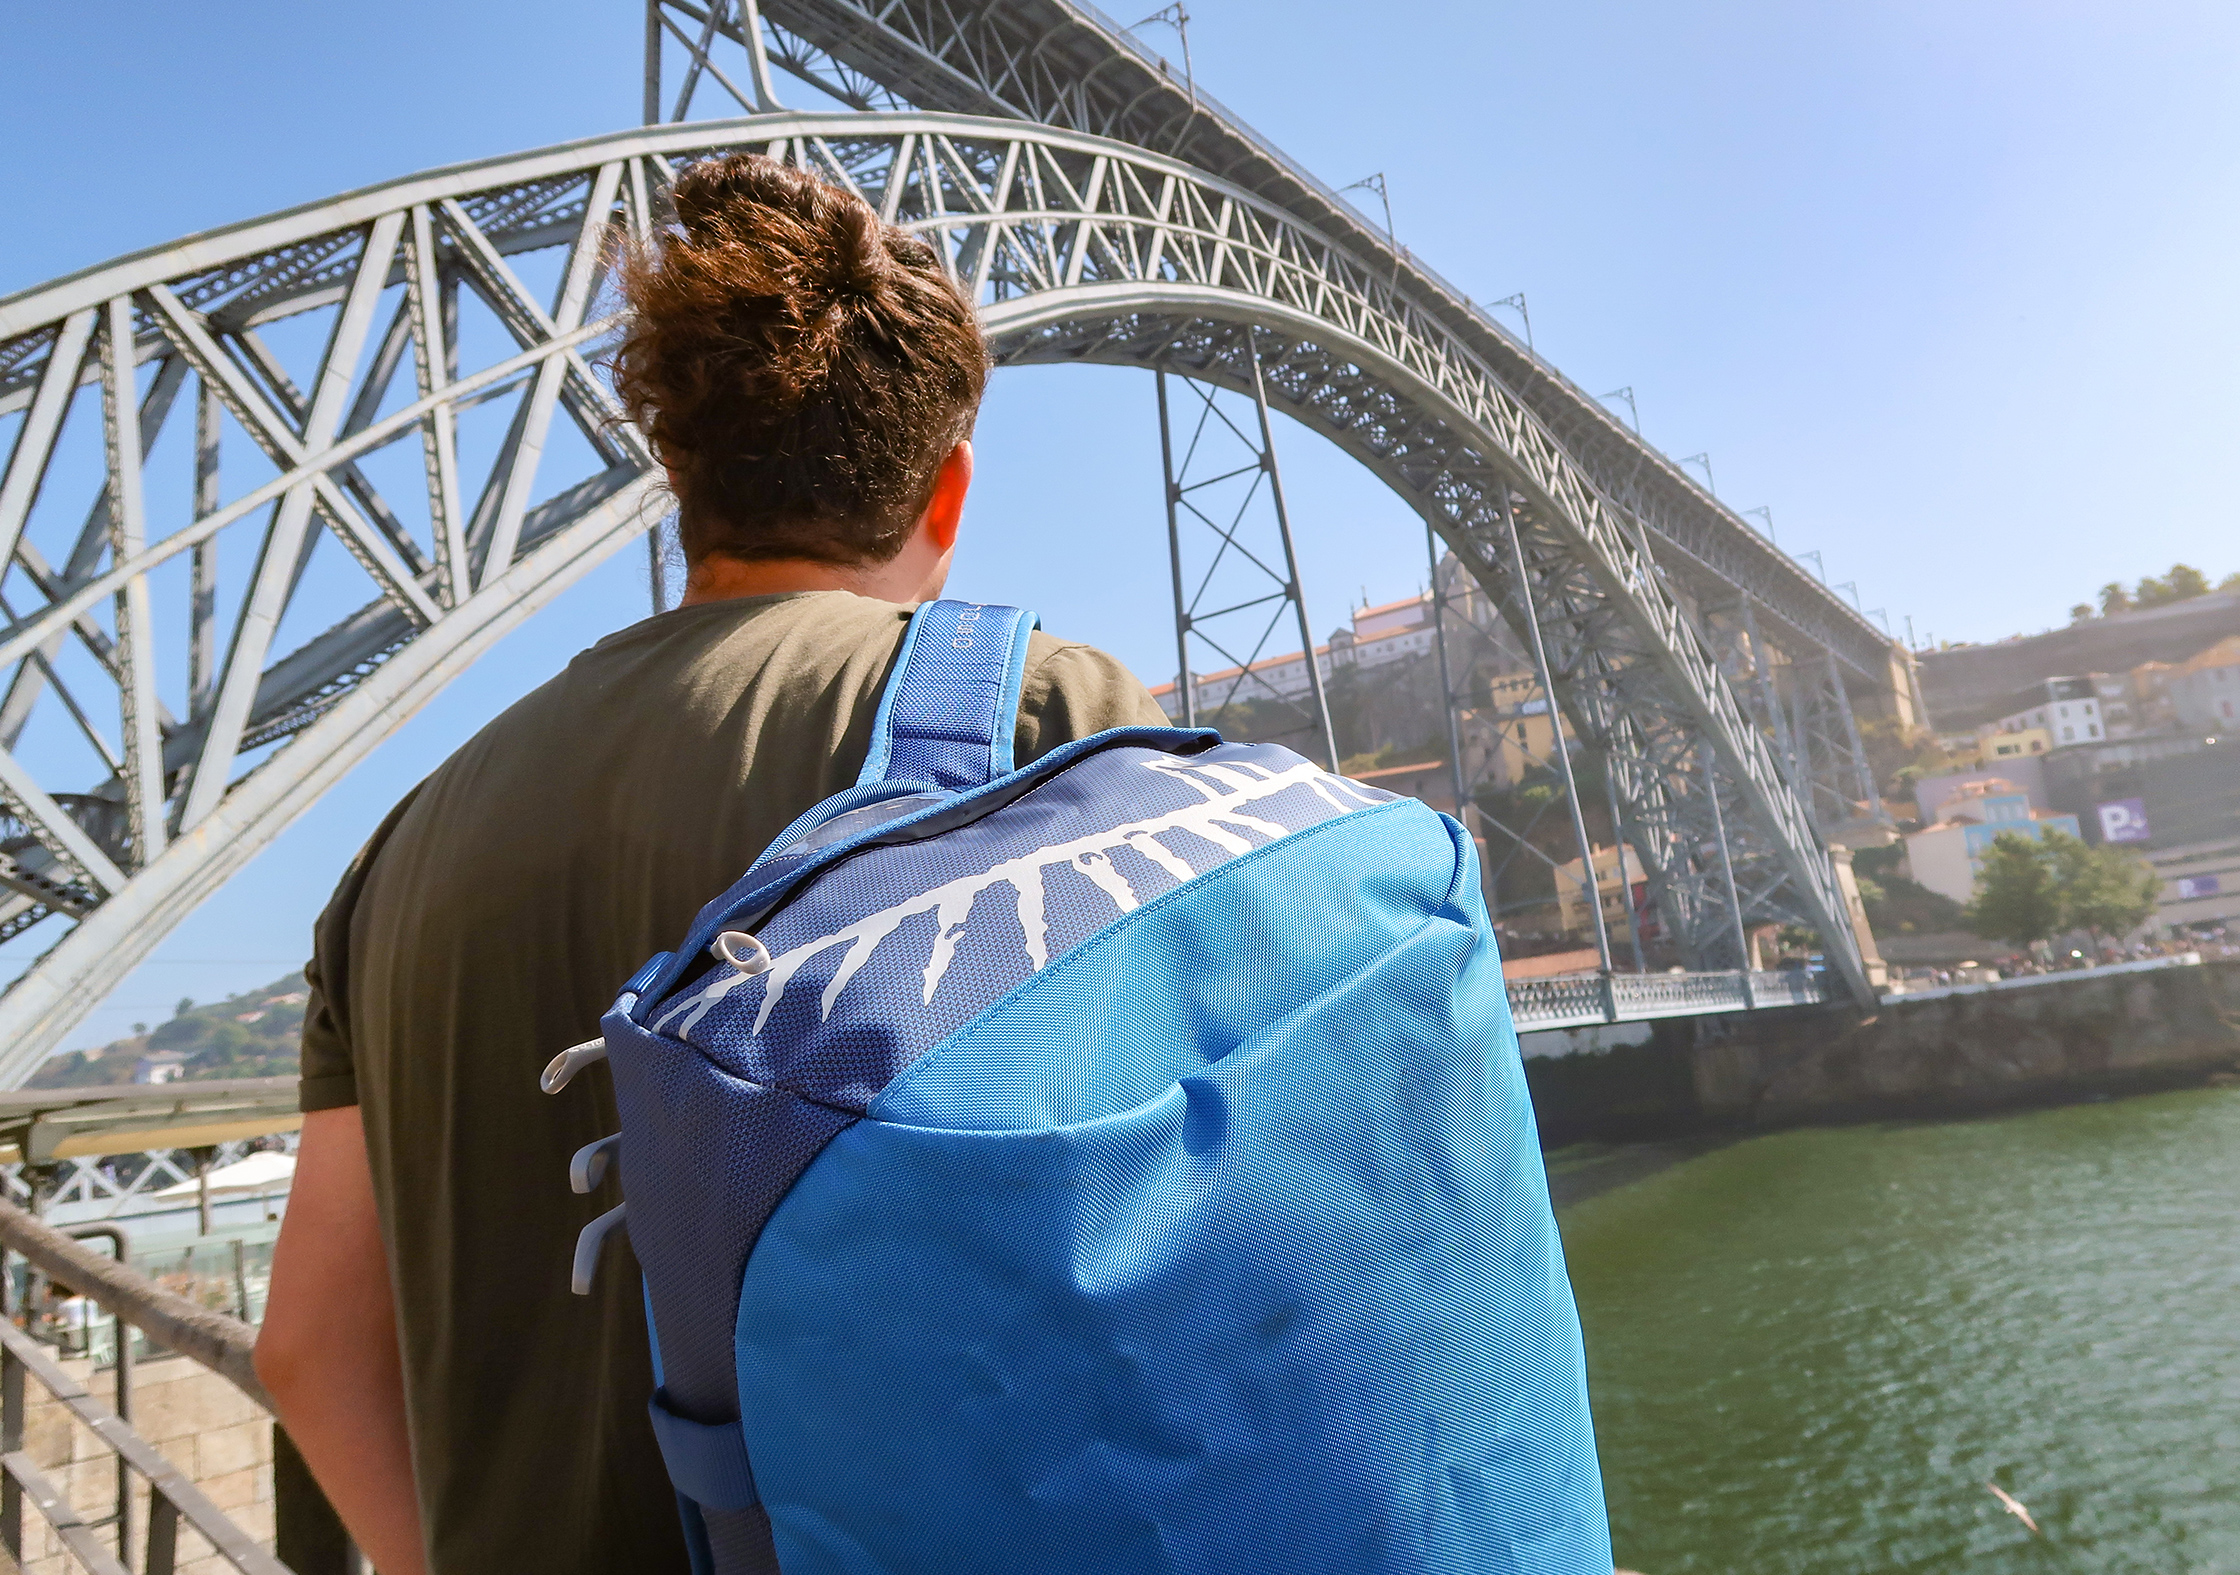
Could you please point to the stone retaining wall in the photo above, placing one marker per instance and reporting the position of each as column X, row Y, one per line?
column 209, row 1429
column 2083, row 1034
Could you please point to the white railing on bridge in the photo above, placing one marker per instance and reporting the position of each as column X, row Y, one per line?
column 1582, row 1000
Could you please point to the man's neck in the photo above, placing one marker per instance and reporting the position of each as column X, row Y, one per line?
column 902, row 579
column 720, row 579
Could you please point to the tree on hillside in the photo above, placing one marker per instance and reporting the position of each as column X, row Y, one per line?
column 254, row 1034
column 2031, row 891
column 2105, row 892
column 1897, row 905
column 2182, row 583
column 1901, row 756
column 2018, row 895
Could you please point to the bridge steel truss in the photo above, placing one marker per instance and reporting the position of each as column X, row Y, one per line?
column 1076, row 249
column 1066, row 64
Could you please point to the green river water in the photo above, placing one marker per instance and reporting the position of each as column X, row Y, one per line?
column 1809, row 1351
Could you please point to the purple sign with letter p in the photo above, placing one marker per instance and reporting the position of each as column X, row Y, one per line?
column 2196, row 886
column 2124, row 820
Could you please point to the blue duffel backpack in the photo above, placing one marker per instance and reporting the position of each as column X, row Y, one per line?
column 1116, row 1164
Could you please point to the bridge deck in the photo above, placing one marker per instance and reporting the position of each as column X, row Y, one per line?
column 1583, row 1000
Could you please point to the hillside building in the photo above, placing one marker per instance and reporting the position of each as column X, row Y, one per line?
column 2067, row 710
column 1398, row 631
column 1948, row 856
column 2205, row 691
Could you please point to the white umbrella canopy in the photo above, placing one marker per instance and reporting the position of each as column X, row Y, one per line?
column 260, row 1172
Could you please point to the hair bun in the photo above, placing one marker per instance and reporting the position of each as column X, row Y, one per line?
column 800, row 367
column 862, row 262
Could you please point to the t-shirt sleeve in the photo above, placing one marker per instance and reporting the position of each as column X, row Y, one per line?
column 328, row 1075
column 1071, row 691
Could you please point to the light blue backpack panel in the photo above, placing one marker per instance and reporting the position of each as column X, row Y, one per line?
column 1157, row 1193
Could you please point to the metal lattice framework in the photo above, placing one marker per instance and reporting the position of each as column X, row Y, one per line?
column 193, row 745
column 1066, row 64
column 1231, row 599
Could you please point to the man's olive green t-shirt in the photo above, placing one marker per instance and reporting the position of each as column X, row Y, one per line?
column 488, row 925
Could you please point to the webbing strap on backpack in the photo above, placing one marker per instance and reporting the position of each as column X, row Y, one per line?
column 949, row 711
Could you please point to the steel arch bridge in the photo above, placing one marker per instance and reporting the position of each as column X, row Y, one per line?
column 138, row 773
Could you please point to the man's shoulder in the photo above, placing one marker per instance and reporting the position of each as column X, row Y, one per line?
column 802, row 626
column 1072, row 690
column 712, row 651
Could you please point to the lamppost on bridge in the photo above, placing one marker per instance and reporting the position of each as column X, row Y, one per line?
column 1814, row 555
column 1626, row 394
column 1375, row 182
column 1177, row 18
column 1704, row 460
column 1766, row 514
column 1516, row 304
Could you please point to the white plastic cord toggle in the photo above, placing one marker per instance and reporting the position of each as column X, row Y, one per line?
column 569, row 1062
column 742, row 951
column 589, row 1167
column 588, row 1242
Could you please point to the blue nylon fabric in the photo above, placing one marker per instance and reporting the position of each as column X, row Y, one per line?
column 888, row 952
column 950, row 709
column 722, row 1109
column 783, row 866
column 722, row 1112
column 703, row 1157
column 1223, row 1244
column 707, row 1460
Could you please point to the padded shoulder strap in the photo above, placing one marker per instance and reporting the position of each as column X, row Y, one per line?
column 950, row 709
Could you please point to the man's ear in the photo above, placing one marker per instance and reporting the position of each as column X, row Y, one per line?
column 945, row 509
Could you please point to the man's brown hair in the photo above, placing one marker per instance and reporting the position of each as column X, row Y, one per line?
column 801, row 368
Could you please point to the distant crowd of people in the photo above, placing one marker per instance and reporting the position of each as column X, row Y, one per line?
column 2217, row 942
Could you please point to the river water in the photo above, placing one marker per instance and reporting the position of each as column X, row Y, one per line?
column 1809, row 1351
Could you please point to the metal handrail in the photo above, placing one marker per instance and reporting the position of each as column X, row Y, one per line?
column 121, row 1386
column 1582, row 1000
column 224, row 1345
column 171, row 1497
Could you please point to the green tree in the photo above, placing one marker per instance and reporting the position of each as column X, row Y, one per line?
column 2185, row 582
column 2081, row 613
column 180, row 1032
column 2153, row 592
column 1901, row 756
column 2105, row 892
column 2018, row 893
column 1898, row 906
column 2230, row 582
column 2114, row 598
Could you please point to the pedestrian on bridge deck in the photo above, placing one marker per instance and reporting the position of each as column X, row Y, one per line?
column 808, row 376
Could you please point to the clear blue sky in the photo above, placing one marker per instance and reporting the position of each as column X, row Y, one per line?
column 1950, row 288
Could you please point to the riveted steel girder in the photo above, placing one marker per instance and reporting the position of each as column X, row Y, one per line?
column 1075, row 248
column 1065, row 64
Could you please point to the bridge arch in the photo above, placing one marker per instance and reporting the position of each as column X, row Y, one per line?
column 1076, row 248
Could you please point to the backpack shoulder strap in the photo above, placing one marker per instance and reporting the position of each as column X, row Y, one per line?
column 950, row 709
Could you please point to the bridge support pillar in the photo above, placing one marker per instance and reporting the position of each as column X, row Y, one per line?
column 1218, row 482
